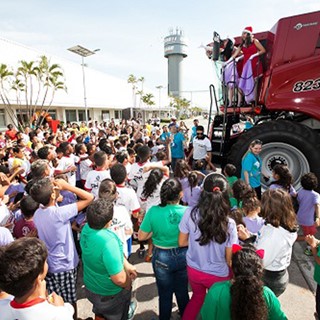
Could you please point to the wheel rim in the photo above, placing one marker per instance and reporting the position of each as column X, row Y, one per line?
column 282, row 153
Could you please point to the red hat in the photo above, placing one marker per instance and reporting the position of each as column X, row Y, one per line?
column 247, row 30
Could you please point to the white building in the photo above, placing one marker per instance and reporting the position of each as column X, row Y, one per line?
column 107, row 96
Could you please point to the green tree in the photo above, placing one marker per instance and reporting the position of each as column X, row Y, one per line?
column 181, row 105
column 148, row 99
column 196, row 110
column 6, row 82
column 52, row 78
column 34, row 83
column 141, row 92
column 132, row 79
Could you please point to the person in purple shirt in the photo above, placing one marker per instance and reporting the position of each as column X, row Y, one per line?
column 191, row 194
column 181, row 172
column 67, row 197
column 209, row 235
column 251, row 207
column 309, row 207
column 54, row 229
column 282, row 179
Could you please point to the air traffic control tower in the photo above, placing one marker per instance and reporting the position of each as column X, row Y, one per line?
column 175, row 49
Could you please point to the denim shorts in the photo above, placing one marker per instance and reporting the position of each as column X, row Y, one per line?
column 277, row 281
column 113, row 307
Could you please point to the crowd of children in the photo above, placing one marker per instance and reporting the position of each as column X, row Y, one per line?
column 85, row 193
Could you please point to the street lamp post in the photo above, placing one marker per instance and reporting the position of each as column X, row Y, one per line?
column 83, row 52
column 159, row 88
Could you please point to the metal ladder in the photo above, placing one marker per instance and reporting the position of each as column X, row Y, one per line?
column 221, row 125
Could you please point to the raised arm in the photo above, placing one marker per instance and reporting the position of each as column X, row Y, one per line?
column 85, row 198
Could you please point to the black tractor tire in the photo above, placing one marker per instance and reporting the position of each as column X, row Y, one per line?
column 286, row 142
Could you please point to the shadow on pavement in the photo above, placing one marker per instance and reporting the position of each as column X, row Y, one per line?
column 146, row 292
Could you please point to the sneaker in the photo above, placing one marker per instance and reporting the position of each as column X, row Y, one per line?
column 141, row 253
column 148, row 258
column 308, row 252
column 132, row 309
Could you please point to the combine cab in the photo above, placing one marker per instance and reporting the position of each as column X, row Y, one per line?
column 286, row 110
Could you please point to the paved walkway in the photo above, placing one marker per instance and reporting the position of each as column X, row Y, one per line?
column 298, row 300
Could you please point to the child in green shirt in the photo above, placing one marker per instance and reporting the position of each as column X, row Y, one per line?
column 229, row 171
column 234, row 299
column 230, row 174
column 315, row 245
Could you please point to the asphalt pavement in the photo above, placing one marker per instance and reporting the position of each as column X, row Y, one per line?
column 298, row 301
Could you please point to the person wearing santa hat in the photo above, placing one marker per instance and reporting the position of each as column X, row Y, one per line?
column 249, row 50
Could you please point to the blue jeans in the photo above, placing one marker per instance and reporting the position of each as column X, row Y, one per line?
column 170, row 269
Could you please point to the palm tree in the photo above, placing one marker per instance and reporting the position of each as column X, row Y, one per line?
column 133, row 81
column 34, row 76
column 148, row 99
column 47, row 77
column 140, row 92
column 55, row 85
column 26, row 73
column 51, row 77
column 180, row 104
column 6, row 77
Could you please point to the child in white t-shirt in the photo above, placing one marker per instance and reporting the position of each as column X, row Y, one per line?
column 121, row 223
column 101, row 172
column 126, row 196
column 67, row 164
column 85, row 163
column 29, row 257
column 137, row 176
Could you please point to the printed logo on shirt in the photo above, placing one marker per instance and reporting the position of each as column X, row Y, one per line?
column 174, row 218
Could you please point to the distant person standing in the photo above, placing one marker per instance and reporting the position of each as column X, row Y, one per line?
column 165, row 134
column 194, row 129
column 201, row 151
column 173, row 122
column 11, row 132
column 177, row 145
column 251, row 166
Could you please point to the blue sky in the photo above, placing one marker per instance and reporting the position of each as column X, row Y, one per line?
column 130, row 33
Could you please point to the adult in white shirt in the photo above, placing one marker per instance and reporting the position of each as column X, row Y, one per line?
column 201, row 149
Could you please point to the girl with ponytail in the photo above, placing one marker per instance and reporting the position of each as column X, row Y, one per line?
column 151, row 189
column 151, row 195
column 244, row 297
column 210, row 234
column 161, row 224
column 192, row 193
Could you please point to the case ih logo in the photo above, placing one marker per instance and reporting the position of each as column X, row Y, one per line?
column 299, row 26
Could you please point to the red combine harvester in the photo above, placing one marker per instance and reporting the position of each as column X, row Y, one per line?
column 286, row 110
